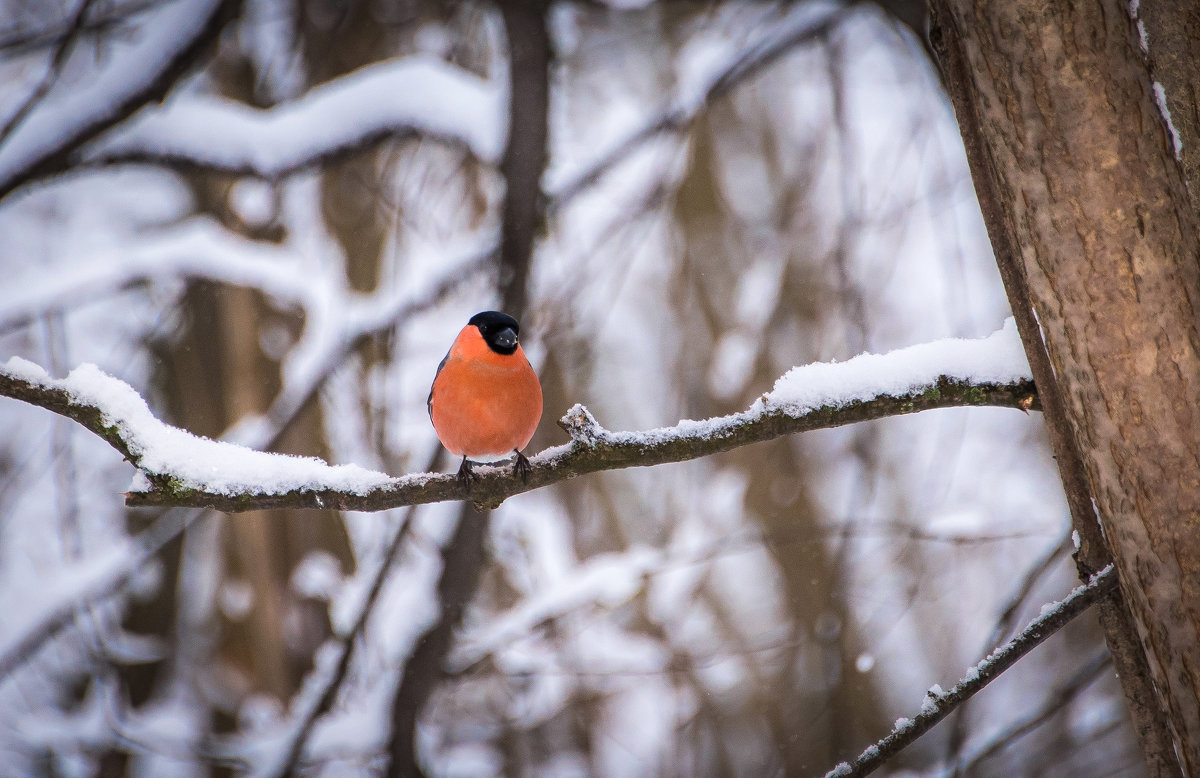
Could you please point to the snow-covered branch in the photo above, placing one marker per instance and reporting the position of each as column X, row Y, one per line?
column 409, row 97
column 141, row 69
column 683, row 111
column 181, row 469
column 939, row 704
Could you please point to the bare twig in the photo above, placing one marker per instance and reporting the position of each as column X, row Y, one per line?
column 1075, row 685
column 54, row 159
column 678, row 117
column 59, row 58
column 1004, row 626
column 939, row 705
column 330, row 687
column 102, row 20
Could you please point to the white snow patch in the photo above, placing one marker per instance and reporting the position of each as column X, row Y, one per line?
column 1160, row 97
column 999, row 357
column 197, row 462
column 41, row 599
column 420, row 93
column 130, row 63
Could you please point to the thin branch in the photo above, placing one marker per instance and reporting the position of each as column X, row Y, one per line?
column 57, row 60
column 105, row 19
column 331, row 685
column 678, row 117
column 1075, row 685
column 1005, row 623
column 51, row 159
column 937, row 706
column 132, row 431
column 101, row 583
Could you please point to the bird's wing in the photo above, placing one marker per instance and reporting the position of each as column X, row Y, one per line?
column 429, row 401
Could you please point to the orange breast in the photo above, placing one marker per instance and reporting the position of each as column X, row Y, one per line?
column 484, row 403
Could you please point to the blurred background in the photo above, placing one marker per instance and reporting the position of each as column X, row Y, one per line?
column 680, row 201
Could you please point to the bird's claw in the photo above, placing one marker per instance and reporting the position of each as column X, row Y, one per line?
column 466, row 475
column 522, row 467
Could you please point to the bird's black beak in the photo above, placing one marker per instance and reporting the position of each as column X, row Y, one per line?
column 505, row 338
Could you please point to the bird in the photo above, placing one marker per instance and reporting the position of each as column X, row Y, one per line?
column 486, row 400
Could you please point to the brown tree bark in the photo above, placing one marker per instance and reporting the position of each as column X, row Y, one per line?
column 1172, row 29
column 1089, row 215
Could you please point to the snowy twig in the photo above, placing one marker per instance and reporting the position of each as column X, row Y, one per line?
column 409, row 97
column 1084, row 677
column 185, row 470
column 1004, row 626
column 325, row 695
column 592, row 449
column 93, row 579
column 937, row 704
column 173, row 39
column 57, row 60
column 678, row 117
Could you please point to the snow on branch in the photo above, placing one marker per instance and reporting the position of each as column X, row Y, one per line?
column 780, row 40
column 196, row 248
column 416, row 96
column 181, row 469
column 938, row 704
column 135, row 69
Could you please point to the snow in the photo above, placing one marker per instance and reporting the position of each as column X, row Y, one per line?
column 932, row 698
column 607, row 579
column 40, row 599
column 196, row 248
column 197, row 462
column 999, row 358
column 1160, row 97
column 417, row 93
column 124, row 71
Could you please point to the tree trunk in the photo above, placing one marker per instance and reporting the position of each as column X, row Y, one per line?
column 1086, row 204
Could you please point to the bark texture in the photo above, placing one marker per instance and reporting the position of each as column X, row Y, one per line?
column 1082, row 192
column 1172, row 31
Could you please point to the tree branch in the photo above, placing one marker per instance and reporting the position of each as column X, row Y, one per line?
column 937, row 705
column 395, row 99
column 53, row 71
column 114, row 411
column 1063, row 696
column 678, row 117
column 36, row 157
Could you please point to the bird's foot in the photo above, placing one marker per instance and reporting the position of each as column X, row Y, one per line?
column 521, row 467
column 466, row 474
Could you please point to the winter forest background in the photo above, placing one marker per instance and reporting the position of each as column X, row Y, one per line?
column 280, row 253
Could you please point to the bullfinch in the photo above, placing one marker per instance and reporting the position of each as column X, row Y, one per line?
column 486, row 402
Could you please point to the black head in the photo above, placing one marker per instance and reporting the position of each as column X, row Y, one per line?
column 499, row 330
